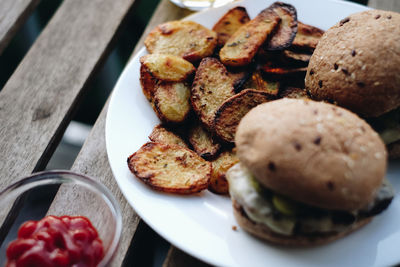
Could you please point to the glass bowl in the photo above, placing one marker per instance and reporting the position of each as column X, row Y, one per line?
column 197, row 5
column 74, row 195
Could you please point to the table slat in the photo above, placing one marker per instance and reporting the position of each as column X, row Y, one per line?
column 38, row 101
column 92, row 161
column 13, row 14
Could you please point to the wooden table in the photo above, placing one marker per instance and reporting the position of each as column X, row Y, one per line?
column 39, row 99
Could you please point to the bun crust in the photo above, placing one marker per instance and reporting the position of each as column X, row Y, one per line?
column 356, row 63
column 312, row 152
column 263, row 232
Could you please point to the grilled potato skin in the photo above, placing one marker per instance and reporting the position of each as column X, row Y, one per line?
column 243, row 45
column 148, row 83
column 168, row 68
column 211, row 87
column 186, row 39
column 203, row 143
column 286, row 30
column 295, row 59
column 307, row 37
column 172, row 101
column 278, row 72
column 230, row 23
column 170, row 168
column 160, row 134
column 218, row 182
column 239, row 76
column 230, row 113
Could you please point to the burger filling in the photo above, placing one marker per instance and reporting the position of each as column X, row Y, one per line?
column 388, row 126
column 288, row 217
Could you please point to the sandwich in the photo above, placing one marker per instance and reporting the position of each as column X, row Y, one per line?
column 309, row 172
column 356, row 65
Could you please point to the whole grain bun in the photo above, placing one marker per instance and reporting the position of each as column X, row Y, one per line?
column 312, row 152
column 356, row 63
column 262, row 231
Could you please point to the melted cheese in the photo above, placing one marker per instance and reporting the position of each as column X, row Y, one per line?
column 259, row 209
column 243, row 188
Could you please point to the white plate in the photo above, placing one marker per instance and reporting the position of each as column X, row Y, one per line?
column 201, row 225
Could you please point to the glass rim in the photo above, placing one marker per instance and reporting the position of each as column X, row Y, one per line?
column 66, row 176
column 199, row 5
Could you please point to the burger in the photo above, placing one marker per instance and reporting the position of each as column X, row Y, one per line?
column 309, row 172
column 356, row 64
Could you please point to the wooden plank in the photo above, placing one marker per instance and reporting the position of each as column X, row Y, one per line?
column 13, row 14
column 392, row 5
column 38, row 101
column 92, row 161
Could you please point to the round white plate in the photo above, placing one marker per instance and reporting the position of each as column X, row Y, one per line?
column 201, row 225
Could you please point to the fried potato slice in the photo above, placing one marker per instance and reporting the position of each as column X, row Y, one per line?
column 243, row 45
column 148, row 83
column 229, row 23
column 239, row 76
column 230, row 113
column 202, row 141
column 172, row 101
column 307, row 37
column 186, row 39
column 294, row 92
column 160, row 134
column 295, row 59
column 212, row 85
column 168, row 67
column 258, row 82
column 218, row 182
column 287, row 28
column 170, row 168
column 281, row 73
